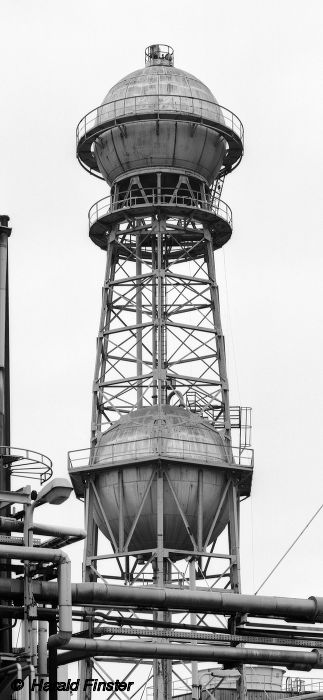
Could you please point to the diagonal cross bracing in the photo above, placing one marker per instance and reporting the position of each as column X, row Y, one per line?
column 181, row 317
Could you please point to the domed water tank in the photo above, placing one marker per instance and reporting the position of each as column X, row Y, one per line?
column 166, row 119
column 185, row 443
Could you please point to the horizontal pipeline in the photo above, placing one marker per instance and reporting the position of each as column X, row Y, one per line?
column 198, row 652
column 97, row 594
column 13, row 525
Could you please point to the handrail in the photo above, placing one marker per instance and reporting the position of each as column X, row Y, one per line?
column 151, row 196
column 302, row 685
column 114, row 452
column 160, row 52
column 289, row 684
column 23, row 462
column 159, row 102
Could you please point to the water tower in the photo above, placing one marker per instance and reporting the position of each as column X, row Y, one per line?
column 163, row 478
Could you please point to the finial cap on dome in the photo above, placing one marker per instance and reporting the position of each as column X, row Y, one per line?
column 159, row 54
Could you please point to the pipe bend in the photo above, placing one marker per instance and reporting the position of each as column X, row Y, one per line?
column 63, row 557
column 64, row 584
column 318, row 611
column 59, row 639
column 319, row 656
column 64, row 602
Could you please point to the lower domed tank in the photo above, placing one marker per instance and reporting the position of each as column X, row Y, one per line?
column 185, row 444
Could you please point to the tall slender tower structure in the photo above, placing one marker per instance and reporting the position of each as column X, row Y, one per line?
column 5, row 232
column 163, row 478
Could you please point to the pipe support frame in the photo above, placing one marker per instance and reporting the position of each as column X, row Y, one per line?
column 64, row 584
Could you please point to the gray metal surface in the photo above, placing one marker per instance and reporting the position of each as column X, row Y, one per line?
column 163, row 89
column 185, row 437
column 13, row 525
column 160, row 117
column 308, row 610
column 236, row 655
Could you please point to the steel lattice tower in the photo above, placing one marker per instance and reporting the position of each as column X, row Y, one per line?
column 163, row 478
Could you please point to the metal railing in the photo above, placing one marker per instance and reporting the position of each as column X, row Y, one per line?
column 160, row 52
column 22, row 462
column 294, row 686
column 166, row 196
column 290, row 685
column 145, row 447
column 170, row 103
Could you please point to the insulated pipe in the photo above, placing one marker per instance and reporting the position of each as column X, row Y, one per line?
column 19, row 678
column 17, row 613
column 63, row 588
column 199, row 652
column 32, row 674
column 42, row 656
column 198, row 600
column 13, row 525
column 8, row 671
column 97, row 594
column 307, row 696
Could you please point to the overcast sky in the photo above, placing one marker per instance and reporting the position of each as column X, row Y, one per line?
column 262, row 60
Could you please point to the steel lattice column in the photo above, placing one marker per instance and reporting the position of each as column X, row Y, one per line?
column 159, row 320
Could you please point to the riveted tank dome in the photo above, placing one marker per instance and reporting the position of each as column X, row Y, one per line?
column 167, row 81
column 195, row 436
column 166, row 118
column 184, row 442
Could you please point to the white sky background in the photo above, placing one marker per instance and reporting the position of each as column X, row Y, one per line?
column 261, row 60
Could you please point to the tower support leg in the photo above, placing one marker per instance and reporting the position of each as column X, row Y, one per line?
column 161, row 349
column 234, row 547
column 162, row 667
column 195, row 678
column 90, row 549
